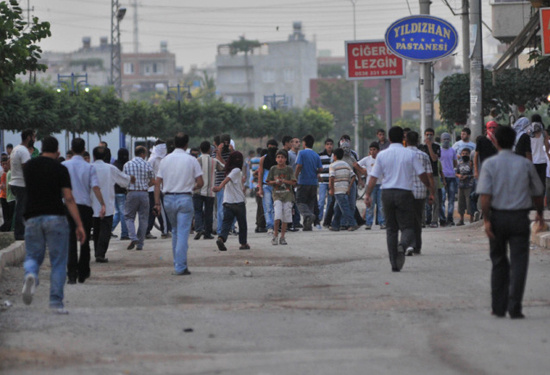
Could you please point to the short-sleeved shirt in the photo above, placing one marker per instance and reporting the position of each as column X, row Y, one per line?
column 461, row 145
column 220, row 175
column 448, row 157
column 368, row 163
column 485, row 149
column 465, row 169
column 282, row 192
column 397, row 166
column 437, row 150
column 310, row 162
column 142, row 171
column 523, row 146
column 178, row 171
column 45, row 178
column 83, row 179
column 420, row 191
column 342, row 173
column 511, row 180
column 326, row 159
column 19, row 156
column 233, row 190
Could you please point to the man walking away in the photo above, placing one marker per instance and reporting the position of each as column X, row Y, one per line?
column 397, row 166
column 203, row 198
column 509, row 186
column 18, row 157
column 137, row 200
column 179, row 174
column 108, row 175
column 308, row 165
column 83, row 181
column 420, row 191
column 46, row 222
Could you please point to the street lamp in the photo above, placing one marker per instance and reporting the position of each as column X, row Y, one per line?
column 117, row 14
column 73, row 82
column 179, row 96
column 276, row 101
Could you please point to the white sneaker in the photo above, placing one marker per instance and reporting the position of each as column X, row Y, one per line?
column 270, row 232
column 60, row 311
column 409, row 252
column 274, row 241
column 29, row 287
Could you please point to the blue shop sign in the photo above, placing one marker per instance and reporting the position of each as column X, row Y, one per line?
column 421, row 38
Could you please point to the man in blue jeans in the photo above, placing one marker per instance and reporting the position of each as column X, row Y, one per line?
column 47, row 182
column 308, row 166
column 178, row 175
column 448, row 164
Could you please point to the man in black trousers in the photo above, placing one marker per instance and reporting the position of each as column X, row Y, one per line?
column 509, row 186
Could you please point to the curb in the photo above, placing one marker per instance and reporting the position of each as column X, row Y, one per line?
column 12, row 255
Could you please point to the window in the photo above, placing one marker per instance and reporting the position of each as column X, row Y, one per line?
column 128, row 68
column 288, row 75
column 268, row 76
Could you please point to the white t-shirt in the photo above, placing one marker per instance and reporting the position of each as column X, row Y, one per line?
column 538, row 151
column 368, row 163
column 233, row 191
column 397, row 165
column 19, row 156
column 178, row 171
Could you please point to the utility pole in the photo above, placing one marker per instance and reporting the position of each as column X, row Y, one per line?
column 355, row 92
column 426, row 84
column 465, row 37
column 136, row 33
column 476, row 69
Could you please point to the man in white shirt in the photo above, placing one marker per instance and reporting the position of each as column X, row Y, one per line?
column 397, row 166
column 465, row 143
column 367, row 163
column 18, row 157
column 179, row 174
column 108, row 175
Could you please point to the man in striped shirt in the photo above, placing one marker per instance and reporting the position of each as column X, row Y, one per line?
column 203, row 198
column 137, row 200
column 341, row 178
column 326, row 159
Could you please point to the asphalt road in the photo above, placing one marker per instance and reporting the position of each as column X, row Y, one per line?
column 327, row 303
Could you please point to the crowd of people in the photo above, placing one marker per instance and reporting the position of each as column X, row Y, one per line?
column 410, row 184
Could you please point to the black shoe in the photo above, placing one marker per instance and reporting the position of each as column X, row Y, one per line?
column 516, row 316
column 221, row 245
column 293, row 229
column 149, row 236
column 71, row 281
column 260, row 230
column 132, row 245
column 498, row 315
column 395, row 269
column 208, row 237
column 307, row 224
column 182, row 273
column 125, row 238
column 198, row 236
column 400, row 257
column 299, row 226
column 113, row 235
column 82, row 278
column 101, row 260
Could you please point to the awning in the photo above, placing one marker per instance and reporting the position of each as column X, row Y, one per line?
column 519, row 44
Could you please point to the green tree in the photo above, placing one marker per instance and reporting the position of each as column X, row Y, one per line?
column 337, row 98
column 243, row 45
column 18, row 51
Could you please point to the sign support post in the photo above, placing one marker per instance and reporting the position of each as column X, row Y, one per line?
column 371, row 59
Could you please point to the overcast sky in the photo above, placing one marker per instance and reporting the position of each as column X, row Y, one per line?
column 194, row 28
